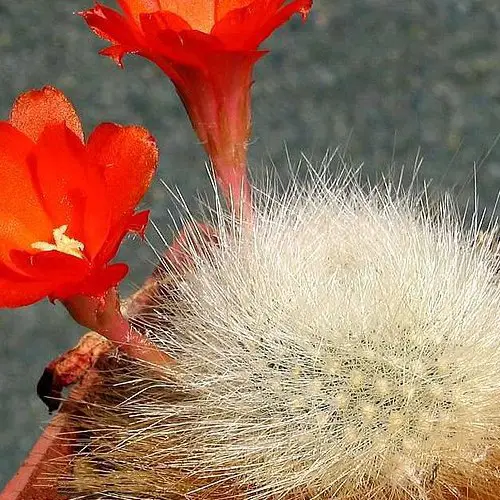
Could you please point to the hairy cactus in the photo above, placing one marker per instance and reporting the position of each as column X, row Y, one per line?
column 346, row 346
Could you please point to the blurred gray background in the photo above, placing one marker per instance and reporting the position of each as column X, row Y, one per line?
column 381, row 79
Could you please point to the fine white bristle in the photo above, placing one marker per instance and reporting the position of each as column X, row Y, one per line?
column 345, row 345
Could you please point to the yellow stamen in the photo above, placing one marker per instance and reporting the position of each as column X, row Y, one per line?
column 62, row 243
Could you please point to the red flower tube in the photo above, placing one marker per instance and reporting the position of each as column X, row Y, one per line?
column 65, row 207
column 208, row 48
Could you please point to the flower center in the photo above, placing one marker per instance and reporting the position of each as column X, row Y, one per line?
column 62, row 243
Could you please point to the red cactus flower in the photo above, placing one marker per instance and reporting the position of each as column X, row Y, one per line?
column 65, row 207
column 208, row 48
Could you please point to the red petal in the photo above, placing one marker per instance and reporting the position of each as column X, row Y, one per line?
column 13, row 143
column 9, row 271
column 246, row 28
column 134, row 222
column 167, row 20
column 133, row 8
column 36, row 109
column 239, row 24
column 199, row 14
column 97, row 214
column 301, row 7
column 128, row 156
column 14, row 294
column 103, row 280
column 138, row 222
column 73, row 279
column 18, row 290
column 111, row 25
column 185, row 47
column 59, row 173
column 22, row 218
column 115, row 53
column 53, row 267
column 46, row 274
column 222, row 7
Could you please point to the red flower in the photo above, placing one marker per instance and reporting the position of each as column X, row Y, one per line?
column 208, row 48
column 66, row 205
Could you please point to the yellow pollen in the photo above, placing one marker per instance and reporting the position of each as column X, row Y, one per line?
column 62, row 243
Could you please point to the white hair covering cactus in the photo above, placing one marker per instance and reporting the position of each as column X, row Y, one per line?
column 346, row 346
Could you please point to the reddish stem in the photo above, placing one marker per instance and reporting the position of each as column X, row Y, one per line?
column 230, row 172
column 102, row 314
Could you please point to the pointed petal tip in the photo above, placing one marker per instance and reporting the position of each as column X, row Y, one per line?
column 305, row 10
column 139, row 222
column 96, row 10
column 115, row 53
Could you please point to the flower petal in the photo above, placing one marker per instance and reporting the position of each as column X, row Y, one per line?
column 58, row 167
column 22, row 217
column 301, row 7
column 247, row 27
column 173, row 21
column 133, row 223
column 13, row 143
column 52, row 266
column 111, row 25
column 21, row 294
column 115, row 53
column 199, row 14
column 128, row 156
column 96, row 216
column 38, row 277
column 133, row 8
column 165, row 44
column 36, row 109
column 222, row 7
column 103, row 279
column 138, row 222
column 67, row 276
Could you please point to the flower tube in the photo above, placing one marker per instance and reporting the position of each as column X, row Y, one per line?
column 208, row 48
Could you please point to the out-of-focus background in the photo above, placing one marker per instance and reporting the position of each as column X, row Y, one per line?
column 384, row 80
